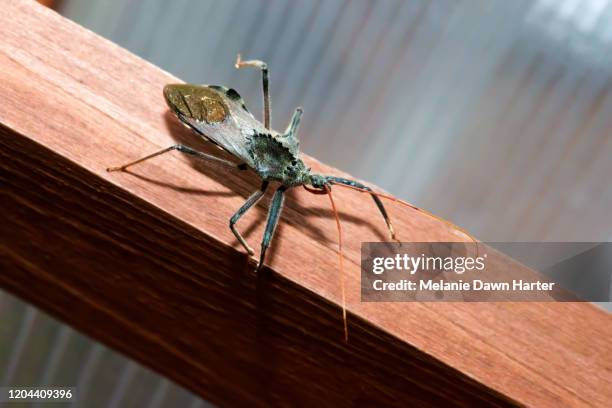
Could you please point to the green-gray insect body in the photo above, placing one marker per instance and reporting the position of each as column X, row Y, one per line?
column 220, row 116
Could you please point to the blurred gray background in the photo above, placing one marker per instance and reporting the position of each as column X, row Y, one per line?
column 493, row 114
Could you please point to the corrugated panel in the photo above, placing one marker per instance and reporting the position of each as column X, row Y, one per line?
column 36, row 350
column 461, row 107
column 494, row 114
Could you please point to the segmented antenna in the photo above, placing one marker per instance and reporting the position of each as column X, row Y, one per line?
column 341, row 259
column 327, row 190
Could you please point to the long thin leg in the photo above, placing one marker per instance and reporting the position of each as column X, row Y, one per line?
column 276, row 207
column 187, row 150
column 376, row 199
column 251, row 201
column 264, row 79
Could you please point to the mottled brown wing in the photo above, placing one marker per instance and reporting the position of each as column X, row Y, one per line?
column 218, row 114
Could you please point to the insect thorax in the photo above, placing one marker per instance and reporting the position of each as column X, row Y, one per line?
column 275, row 160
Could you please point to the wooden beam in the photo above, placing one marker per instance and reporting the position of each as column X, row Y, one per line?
column 145, row 261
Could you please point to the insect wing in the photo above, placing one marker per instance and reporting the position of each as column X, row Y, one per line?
column 226, row 135
column 212, row 114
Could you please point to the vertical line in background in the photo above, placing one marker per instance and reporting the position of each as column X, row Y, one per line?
column 355, row 70
column 147, row 40
column 420, row 138
column 203, row 61
column 307, row 86
column 526, row 67
column 577, row 153
column 284, row 51
column 329, row 78
column 597, row 163
column 479, row 115
column 583, row 147
column 127, row 374
column 86, row 373
column 466, row 85
column 121, row 31
column 544, row 79
column 317, row 33
column 308, row 31
column 170, row 35
column 159, row 394
column 379, row 100
column 415, row 53
column 556, row 170
column 532, row 169
column 188, row 57
column 375, row 71
column 548, row 122
column 197, row 403
column 62, row 338
column 27, row 323
column 540, row 95
column 519, row 67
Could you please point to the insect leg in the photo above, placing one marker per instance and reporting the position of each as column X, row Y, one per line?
column 274, row 213
column 183, row 149
column 379, row 204
column 294, row 125
column 264, row 79
column 251, row 201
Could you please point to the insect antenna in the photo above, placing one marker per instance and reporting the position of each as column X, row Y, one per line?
column 327, row 190
column 340, row 258
column 414, row 207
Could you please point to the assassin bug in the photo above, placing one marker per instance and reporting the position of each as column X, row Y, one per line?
column 220, row 116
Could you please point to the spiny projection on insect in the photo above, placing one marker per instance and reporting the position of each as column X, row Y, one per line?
column 220, row 116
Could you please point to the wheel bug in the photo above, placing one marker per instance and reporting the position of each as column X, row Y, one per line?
column 220, row 116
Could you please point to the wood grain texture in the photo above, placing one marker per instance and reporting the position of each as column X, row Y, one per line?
column 145, row 261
